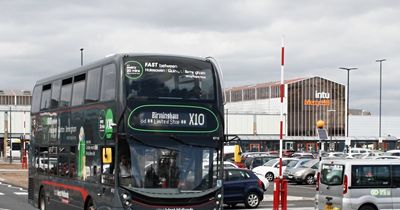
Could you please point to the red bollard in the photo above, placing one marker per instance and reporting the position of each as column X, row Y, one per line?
column 277, row 192
column 284, row 194
column 24, row 162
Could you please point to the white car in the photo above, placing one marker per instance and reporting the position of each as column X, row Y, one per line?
column 264, row 180
column 270, row 169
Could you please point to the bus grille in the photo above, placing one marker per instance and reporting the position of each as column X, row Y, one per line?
column 30, row 189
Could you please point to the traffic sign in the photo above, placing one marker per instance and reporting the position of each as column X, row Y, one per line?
column 322, row 134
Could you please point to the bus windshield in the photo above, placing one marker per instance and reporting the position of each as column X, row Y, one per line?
column 163, row 77
column 179, row 167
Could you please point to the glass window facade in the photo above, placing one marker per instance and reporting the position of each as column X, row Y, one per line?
column 316, row 99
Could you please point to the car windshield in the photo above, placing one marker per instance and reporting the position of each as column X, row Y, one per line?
column 309, row 163
column 180, row 167
column 271, row 162
column 167, row 77
column 292, row 163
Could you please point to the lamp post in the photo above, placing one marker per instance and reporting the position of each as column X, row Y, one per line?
column 81, row 56
column 348, row 98
column 329, row 127
column 380, row 97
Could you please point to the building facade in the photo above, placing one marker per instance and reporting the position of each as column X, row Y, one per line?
column 253, row 113
column 15, row 107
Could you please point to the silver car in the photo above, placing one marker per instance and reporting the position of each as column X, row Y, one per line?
column 304, row 173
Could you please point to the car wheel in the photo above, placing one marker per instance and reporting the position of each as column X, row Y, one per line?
column 367, row 207
column 269, row 176
column 42, row 200
column 252, row 200
column 310, row 179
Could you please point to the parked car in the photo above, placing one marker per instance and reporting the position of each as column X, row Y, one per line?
column 254, row 161
column 270, row 169
column 294, row 164
column 393, row 152
column 303, row 155
column 304, row 173
column 242, row 186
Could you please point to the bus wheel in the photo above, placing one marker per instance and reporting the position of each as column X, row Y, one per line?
column 42, row 200
column 90, row 205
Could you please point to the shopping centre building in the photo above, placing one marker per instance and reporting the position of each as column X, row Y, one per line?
column 252, row 113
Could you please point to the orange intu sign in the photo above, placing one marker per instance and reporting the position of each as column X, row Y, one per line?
column 324, row 102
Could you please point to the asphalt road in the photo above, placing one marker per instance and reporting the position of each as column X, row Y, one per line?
column 13, row 198
column 300, row 197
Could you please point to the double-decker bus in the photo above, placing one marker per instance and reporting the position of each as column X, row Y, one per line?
column 130, row 131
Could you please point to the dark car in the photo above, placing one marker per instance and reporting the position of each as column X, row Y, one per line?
column 254, row 161
column 242, row 186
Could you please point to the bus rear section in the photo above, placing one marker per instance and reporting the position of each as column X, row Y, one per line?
column 14, row 149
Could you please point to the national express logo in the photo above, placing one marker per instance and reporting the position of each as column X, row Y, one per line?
column 106, row 120
column 134, row 70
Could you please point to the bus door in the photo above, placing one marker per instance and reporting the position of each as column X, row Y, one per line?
column 106, row 190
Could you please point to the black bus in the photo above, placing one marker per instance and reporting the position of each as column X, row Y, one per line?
column 130, row 131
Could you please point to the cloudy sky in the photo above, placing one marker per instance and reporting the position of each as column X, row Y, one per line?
column 41, row 38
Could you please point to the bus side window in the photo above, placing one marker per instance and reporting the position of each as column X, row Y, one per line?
column 108, row 83
column 66, row 89
column 37, row 92
column 93, row 86
column 78, row 89
column 46, row 94
column 55, row 94
column 107, row 168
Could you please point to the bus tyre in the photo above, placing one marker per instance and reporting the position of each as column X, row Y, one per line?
column 367, row 207
column 42, row 200
column 252, row 200
column 90, row 205
column 310, row 179
column 269, row 176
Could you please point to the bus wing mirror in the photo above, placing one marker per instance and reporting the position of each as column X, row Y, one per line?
column 107, row 155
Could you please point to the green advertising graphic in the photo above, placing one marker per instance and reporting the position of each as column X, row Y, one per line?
column 134, row 70
column 82, row 154
column 109, row 123
column 106, row 121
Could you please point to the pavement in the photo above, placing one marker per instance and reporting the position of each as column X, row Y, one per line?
column 13, row 173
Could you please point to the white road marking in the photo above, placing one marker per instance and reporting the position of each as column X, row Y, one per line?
column 1, row 194
column 289, row 198
column 4, row 209
column 20, row 193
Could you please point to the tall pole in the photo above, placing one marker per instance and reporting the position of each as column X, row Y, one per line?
column 380, row 98
column 282, row 91
column 10, row 138
column 329, row 127
column 348, row 96
column 81, row 56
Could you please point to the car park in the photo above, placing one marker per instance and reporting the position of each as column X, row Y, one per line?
column 303, row 155
column 305, row 173
column 358, row 184
column 255, row 161
column 242, row 186
column 294, row 164
column 270, row 169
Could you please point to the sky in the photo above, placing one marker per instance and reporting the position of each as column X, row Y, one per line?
column 42, row 38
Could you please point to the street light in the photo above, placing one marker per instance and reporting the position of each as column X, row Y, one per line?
column 81, row 56
column 380, row 96
column 329, row 127
column 348, row 96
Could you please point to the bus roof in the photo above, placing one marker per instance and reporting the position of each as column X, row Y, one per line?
column 107, row 59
